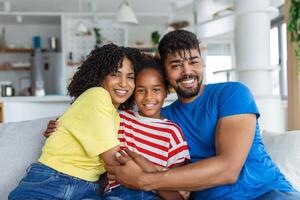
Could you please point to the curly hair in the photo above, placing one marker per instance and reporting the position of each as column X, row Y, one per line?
column 177, row 41
column 151, row 62
column 99, row 63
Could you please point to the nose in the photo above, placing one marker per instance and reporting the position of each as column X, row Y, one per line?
column 187, row 68
column 123, row 82
column 148, row 95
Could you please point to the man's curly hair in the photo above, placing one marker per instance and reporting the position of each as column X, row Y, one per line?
column 99, row 63
column 154, row 62
column 176, row 42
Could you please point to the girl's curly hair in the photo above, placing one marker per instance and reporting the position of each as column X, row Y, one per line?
column 154, row 62
column 99, row 63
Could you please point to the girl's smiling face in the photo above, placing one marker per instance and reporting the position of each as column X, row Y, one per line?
column 150, row 93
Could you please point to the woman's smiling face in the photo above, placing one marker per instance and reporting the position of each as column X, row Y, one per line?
column 120, row 84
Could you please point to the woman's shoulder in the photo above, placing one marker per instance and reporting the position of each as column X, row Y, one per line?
column 96, row 96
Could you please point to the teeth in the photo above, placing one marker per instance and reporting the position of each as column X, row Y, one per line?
column 121, row 91
column 149, row 105
column 188, row 81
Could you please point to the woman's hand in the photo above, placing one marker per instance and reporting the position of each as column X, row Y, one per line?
column 51, row 127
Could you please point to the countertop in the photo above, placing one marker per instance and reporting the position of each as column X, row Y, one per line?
column 47, row 98
column 60, row 98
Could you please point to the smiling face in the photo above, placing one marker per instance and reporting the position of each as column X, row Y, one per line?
column 150, row 93
column 120, row 84
column 185, row 73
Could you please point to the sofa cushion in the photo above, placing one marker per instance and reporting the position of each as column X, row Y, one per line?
column 20, row 145
column 284, row 150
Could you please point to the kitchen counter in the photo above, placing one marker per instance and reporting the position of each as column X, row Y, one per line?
column 47, row 98
column 20, row 108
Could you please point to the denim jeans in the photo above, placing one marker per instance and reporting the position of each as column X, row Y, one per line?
column 277, row 195
column 42, row 182
column 123, row 193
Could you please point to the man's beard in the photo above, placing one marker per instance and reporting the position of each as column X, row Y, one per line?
column 188, row 93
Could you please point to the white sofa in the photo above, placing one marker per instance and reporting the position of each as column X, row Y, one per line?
column 21, row 142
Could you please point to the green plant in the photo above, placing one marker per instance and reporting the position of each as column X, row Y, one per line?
column 98, row 37
column 294, row 28
column 155, row 36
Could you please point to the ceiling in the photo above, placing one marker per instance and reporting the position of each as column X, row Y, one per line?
column 147, row 11
column 107, row 6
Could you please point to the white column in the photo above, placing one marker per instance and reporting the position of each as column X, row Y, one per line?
column 252, row 41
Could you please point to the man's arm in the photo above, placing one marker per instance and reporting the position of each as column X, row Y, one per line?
column 148, row 166
column 234, row 137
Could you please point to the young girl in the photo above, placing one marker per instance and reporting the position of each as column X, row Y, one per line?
column 147, row 132
column 72, row 159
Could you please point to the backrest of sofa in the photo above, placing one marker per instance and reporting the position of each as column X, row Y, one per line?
column 20, row 145
column 284, row 149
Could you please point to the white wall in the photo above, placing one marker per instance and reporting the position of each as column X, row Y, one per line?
column 143, row 33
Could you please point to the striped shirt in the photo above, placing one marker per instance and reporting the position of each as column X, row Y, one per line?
column 160, row 141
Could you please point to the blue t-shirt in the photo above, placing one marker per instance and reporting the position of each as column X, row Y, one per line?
column 198, row 121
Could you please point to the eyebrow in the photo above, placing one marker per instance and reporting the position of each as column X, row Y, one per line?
column 158, row 85
column 131, row 73
column 189, row 58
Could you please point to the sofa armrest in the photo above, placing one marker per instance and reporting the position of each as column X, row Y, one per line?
column 284, row 149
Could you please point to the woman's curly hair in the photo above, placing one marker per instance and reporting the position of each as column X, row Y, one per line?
column 99, row 63
column 176, row 42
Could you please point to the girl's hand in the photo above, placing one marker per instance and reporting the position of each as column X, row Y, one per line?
column 51, row 127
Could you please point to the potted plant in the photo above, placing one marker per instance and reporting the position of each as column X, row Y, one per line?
column 294, row 28
column 155, row 36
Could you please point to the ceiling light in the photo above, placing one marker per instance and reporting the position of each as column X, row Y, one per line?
column 125, row 14
column 81, row 28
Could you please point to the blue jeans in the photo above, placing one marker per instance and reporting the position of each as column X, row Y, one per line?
column 277, row 195
column 42, row 182
column 123, row 193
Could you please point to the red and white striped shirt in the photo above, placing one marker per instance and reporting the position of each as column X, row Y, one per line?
column 160, row 141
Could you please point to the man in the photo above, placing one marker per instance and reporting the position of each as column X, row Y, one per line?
column 219, row 122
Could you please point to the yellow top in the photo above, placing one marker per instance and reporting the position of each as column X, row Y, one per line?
column 87, row 129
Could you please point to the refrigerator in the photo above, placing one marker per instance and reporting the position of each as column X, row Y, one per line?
column 47, row 74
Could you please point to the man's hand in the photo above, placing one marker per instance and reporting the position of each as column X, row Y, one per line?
column 143, row 162
column 51, row 127
column 129, row 173
column 132, row 167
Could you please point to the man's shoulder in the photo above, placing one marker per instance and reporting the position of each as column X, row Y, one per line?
column 226, row 85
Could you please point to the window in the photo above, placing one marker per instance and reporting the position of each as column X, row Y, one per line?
column 278, row 50
column 274, row 59
column 218, row 61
